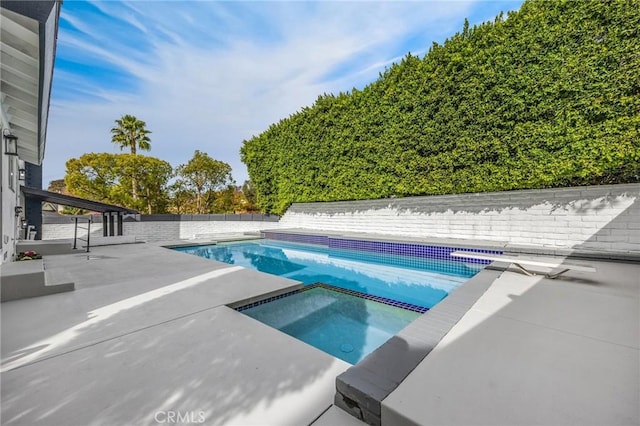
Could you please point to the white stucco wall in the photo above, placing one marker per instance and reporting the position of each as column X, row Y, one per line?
column 10, row 199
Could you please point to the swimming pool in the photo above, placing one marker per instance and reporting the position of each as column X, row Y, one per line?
column 411, row 280
column 354, row 300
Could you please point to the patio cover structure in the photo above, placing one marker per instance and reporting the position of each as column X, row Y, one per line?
column 112, row 215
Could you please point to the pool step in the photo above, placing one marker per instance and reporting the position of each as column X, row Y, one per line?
column 309, row 319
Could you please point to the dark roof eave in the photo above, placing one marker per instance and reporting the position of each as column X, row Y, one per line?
column 38, row 10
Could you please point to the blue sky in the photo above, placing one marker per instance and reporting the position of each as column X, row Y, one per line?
column 207, row 75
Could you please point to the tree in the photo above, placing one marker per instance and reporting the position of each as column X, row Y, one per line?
column 249, row 194
column 108, row 178
column 131, row 133
column 151, row 179
column 201, row 177
column 182, row 201
column 95, row 177
column 227, row 200
column 58, row 186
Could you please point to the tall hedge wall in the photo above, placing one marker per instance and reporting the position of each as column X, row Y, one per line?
column 547, row 97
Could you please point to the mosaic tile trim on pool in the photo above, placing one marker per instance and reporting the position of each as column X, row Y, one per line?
column 383, row 247
column 383, row 300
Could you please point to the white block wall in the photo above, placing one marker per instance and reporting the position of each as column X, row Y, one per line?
column 159, row 231
column 51, row 231
column 594, row 218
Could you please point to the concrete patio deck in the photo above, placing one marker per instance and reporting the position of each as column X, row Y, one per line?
column 146, row 334
column 534, row 351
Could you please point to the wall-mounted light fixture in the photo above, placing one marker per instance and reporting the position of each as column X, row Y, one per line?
column 22, row 173
column 10, row 143
column 18, row 210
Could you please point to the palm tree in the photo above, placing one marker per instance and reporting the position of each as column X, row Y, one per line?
column 131, row 132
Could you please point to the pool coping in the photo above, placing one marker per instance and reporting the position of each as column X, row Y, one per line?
column 207, row 241
column 361, row 389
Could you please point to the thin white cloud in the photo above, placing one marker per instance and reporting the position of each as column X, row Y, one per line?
column 206, row 75
column 133, row 20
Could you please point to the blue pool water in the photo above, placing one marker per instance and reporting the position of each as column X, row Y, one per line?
column 363, row 300
column 342, row 325
column 417, row 281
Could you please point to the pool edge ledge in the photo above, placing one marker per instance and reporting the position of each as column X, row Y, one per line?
column 282, row 292
column 361, row 389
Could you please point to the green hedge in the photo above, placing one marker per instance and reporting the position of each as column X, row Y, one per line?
column 547, row 97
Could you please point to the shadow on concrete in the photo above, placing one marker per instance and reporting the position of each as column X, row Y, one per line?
column 118, row 274
column 120, row 353
column 200, row 365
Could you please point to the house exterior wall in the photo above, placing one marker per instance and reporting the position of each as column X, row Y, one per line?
column 20, row 115
column 10, row 199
